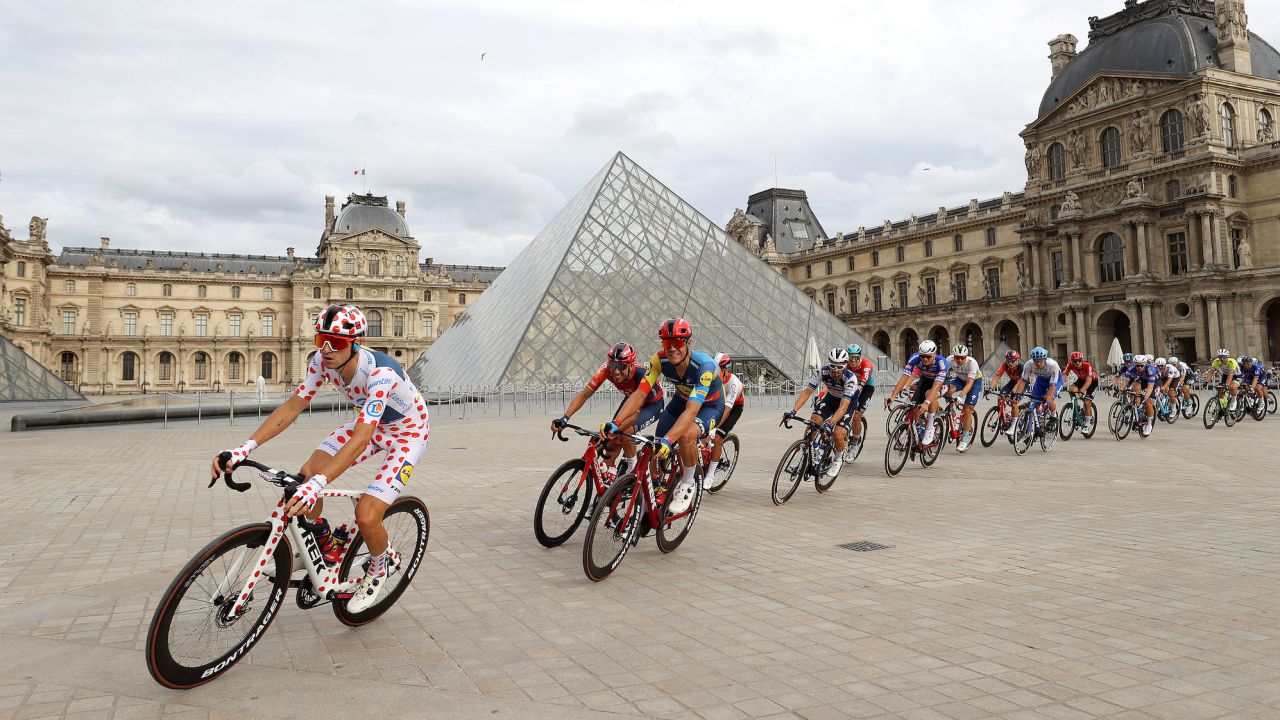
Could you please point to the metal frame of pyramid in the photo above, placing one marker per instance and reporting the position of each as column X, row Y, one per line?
column 623, row 255
column 23, row 379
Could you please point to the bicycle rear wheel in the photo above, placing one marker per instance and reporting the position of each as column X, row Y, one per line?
column 1173, row 414
column 615, row 521
column 1258, row 408
column 563, row 504
column 728, row 453
column 1050, row 435
column 192, row 640
column 929, row 453
column 1191, row 406
column 673, row 529
column 408, row 526
column 792, row 469
column 990, row 427
column 1229, row 416
column 862, row 441
column 898, row 450
column 1067, row 421
column 1090, row 424
column 1271, row 402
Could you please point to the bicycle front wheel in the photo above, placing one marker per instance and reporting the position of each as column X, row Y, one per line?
column 791, row 471
column 1191, row 406
column 1125, row 424
column 1212, row 411
column 728, row 454
column 193, row 638
column 991, row 427
column 897, row 450
column 1067, row 422
column 1258, row 408
column 408, row 525
column 1024, row 433
column 1050, row 435
column 1271, row 402
column 613, row 527
column 563, row 504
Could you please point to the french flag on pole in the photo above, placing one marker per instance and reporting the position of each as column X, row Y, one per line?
column 358, row 172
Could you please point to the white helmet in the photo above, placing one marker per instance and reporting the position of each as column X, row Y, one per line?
column 928, row 347
column 961, row 350
column 1160, row 362
column 838, row 356
column 1173, row 360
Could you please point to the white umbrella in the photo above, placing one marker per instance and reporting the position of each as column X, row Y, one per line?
column 812, row 358
column 1115, row 355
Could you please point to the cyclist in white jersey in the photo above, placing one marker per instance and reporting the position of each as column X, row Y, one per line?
column 1044, row 375
column 734, row 402
column 1184, row 384
column 392, row 419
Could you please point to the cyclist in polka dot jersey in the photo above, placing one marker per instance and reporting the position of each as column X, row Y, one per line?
column 392, row 420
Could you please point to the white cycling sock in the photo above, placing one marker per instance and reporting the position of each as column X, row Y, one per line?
column 378, row 563
column 687, row 477
column 928, row 419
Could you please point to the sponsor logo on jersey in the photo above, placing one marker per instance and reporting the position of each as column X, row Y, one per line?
column 374, row 408
column 707, row 377
column 380, row 382
column 406, row 471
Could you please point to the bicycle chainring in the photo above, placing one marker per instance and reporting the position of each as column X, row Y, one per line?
column 307, row 597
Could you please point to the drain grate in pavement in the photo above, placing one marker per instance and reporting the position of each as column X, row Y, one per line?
column 864, row 546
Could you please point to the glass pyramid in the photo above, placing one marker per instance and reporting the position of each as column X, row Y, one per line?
column 625, row 254
column 24, row 379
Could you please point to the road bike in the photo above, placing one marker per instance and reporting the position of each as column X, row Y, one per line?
column 222, row 602
column 1251, row 404
column 806, row 459
column 953, row 417
column 1127, row 414
column 906, row 442
column 1073, row 417
column 1217, row 407
column 1166, row 409
column 1035, row 422
column 728, row 458
column 1189, row 405
column 566, row 499
column 999, row 417
column 635, row 505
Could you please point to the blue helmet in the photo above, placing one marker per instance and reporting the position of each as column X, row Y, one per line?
column 1128, row 357
column 855, row 349
column 1039, row 353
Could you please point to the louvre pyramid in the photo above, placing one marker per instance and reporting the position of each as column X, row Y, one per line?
column 623, row 255
column 24, row 379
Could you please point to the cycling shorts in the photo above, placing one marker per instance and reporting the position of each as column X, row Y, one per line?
column 827, row 406
column 708, row 415
column 923, row 386
column 404, row 442
column 864, row 396
column 645, row 417
column 1079, row 384
column 732, row 420
column 1041, row 388
column 970, row 399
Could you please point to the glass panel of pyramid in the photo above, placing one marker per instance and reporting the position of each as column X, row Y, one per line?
column 625, row 254
column 24, row 379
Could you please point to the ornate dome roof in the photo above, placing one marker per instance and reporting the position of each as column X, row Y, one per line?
column 365, row 212
column 1166, row 37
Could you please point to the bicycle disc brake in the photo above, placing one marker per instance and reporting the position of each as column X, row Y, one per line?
column 307, row 597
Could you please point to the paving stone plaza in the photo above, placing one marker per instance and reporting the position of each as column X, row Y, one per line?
column 1120, row 580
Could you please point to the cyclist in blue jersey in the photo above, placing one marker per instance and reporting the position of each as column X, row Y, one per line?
column 832, row 410
column 1254, row 374
column 693, row 409
column 929, row 370
column 1147, row 376
column 1046, row 374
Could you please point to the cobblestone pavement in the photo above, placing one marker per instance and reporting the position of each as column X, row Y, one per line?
column 1103, row 579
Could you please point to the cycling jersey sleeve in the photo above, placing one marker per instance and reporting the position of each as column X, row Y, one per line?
column 706, row 378
column 1057, row 372
column 382, row 383
column 732, row 390
column 598, row 379
column 850, row 385
column 816, row 380
column 650, row 380
column 912, row 368
column 314, row 379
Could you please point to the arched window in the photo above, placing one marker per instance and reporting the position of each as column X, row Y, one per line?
column 1110, row 258
column 166, row 366
column 426, row 296
column 202, row 367
column 958, row 242
column 234, row 361
column 1266, row 132
column 349, row 294
column 399, row 294
column 202, row 291
column 1172, row 190
column 1232, row 189
column 349, row 263
column 1171, row 134
column 1228, row 116
column 67, row 366
column 375, row 324
column 166, row 290
column 128, row 367
column 1057, row 159
column 375, row 264
column 315, row 293
column 875, row 258
column 268, row 365
column 1110, row 145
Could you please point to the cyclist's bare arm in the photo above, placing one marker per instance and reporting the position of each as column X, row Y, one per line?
column 804, row 397
column 631, row 407
column 279, row 419
column 578, row 401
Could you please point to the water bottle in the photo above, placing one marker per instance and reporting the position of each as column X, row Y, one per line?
column 338, row 542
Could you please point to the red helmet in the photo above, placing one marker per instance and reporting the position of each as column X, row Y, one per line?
column 1012, row 356
column 722, row 360
column 622, row 353
column 1077, row 357
column 344, row 320
column 675, row 329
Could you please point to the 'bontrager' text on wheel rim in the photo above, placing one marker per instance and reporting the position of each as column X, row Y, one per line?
column 408, row 526
column 614, row 524
column 563, row 504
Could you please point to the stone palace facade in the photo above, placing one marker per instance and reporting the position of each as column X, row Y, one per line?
column 1151, row 211
column 109, row 320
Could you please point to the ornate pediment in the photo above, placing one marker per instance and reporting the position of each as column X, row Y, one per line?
column 1103, row 90
column 1135, row 12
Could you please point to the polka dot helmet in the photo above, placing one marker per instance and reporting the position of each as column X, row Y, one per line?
column 343, row 320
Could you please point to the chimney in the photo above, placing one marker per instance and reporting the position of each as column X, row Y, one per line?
column 1062, row 50
column 400, row 207
column 328, row 213
column 1234, row 50
column 106, row 242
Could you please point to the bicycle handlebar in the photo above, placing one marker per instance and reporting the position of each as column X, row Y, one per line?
column 788, row 417
column 559, row 434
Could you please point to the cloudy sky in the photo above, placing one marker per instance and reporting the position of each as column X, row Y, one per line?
column 220, row 127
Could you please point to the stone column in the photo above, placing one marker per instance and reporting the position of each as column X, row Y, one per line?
column 1082, row 332
column 1144, row 266
column 1031, row 262
column 1090, row 266
column 1077, row 244
column 1215, row 331
column 1202, row 340
column 1148, row 328
column 1193, row 254
column 1206, row 241
column 1042, row 321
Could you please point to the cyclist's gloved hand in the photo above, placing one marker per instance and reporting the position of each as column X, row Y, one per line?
column 608, row 428
column 664, row 448
column 559, row 423
column 827, row 426
column 304, row 498
column 238, row 454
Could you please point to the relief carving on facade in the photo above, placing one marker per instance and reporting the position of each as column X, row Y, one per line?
column 1233, row 23
column 1140, row 132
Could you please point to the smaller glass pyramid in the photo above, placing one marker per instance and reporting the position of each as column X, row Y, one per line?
column 623, row 255
column 22, row 379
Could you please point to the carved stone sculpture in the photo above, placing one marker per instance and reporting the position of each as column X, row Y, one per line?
column 769, row 246
column 1246, row 254
column 942, row 214
column 1140, row 132
column 1070, row 204
column 1022, row 279
column 913, row 221
column 737, row 226
column 888, row 225
column 893, row 299
column 1077, row 146
column 1266, row 134
column 1198, row 114
column 1233, row 23
column 866, row 301
column 1133, row 190
column 36, row 228
column 951, row 288
column 920, row 294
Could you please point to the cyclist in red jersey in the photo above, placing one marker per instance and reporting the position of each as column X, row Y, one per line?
column 864, row 370
column 1010, row 369
column 735, row 399
column 1086, row 380
column 619, row 368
